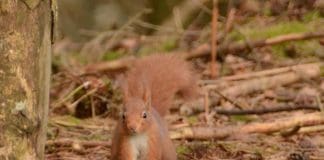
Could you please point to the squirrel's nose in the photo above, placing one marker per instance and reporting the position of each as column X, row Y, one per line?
column 131, row 128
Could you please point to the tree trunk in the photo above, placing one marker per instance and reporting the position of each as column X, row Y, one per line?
column 25, row 47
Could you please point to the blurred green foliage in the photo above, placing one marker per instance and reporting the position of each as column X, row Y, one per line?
column 112, row 55
column 310, row 23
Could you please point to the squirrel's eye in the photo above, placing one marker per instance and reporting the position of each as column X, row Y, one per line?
column 144, row 115
column 123, row 115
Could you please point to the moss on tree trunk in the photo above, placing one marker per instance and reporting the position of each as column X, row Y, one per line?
column 25, row 47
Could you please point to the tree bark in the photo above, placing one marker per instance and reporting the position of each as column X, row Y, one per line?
column 25, row 47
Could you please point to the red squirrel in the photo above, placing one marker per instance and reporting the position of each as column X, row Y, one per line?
column 148, row 89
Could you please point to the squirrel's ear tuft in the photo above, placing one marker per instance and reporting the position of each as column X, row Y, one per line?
column 147, row 96
column 122, row 84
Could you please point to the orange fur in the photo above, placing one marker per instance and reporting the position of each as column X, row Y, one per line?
column 149, row 88
column 164, row 76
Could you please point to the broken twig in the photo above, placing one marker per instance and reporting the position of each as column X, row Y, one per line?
column 260, row 84
column 266, row 110
column 213, row 69
column 69, row 142
column 235, row 48
column 310, row 119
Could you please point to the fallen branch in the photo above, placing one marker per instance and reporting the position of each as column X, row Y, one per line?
column 67, row 124
column 69, row 142
column 235, row 103
column 268, row 72
column 70, row 95
column 235, row 48
column 266, row 110
column 285, row 75
column 213, row 69
column 72, row 107
column 224, row 82
column 310, row 119
column 262, row 83
column 311, row 129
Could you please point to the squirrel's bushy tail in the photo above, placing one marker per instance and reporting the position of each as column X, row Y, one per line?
column 163, row 76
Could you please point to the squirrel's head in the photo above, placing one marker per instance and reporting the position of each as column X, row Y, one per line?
column 136, row 116
column 136, row 113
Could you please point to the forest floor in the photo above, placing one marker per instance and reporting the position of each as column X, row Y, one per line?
column 287, row 77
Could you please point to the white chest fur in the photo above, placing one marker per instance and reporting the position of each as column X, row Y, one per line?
column 139, row 146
